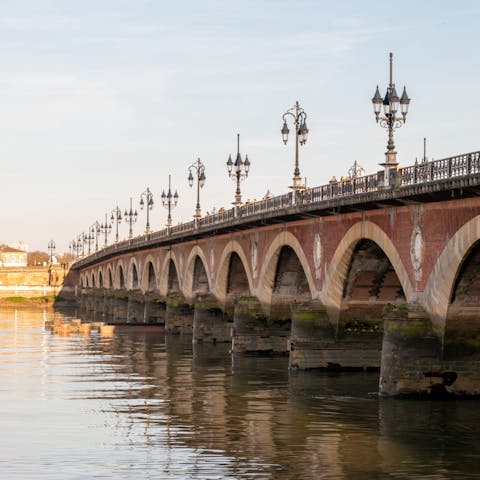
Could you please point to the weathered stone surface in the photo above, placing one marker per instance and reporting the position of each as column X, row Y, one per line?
column 210, row 323
column 178, row 316
column 254, row 332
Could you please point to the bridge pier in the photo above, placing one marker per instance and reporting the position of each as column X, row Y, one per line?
column 178, row 315
column 312, row 338
column 411, row 355
column 135, row 307
column 120, row 306
column 415, row 364
column 209, row 321
column 255, row 332
column 355, row 343
column 154, row 308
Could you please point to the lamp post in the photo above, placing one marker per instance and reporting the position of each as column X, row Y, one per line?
column 94, row 233
column 105, row 229
column 72, row 247
column 238, row 171
column 199, row 168
column 81, row 244
column 130, row 217
column 169, row 201
column 117, row 218
column 299, row 118
column 89, row 240
column 392, row 118
column 146, row 199
column 51, row 250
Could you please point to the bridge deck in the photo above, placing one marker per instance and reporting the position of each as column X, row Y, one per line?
column 438, row 180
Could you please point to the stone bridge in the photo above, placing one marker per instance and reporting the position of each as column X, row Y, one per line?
column 372, row 272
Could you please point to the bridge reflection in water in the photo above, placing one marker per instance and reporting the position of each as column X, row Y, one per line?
column 157, row 406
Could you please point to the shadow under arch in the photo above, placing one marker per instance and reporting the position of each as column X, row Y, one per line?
column 192, row 269
column 266, row 283
column 225, row 267
column 169, row 277
column 109, row 277
column 334, row 284
column 440, row 287
column 149, row 276
column 133, row 279
column 120, row 282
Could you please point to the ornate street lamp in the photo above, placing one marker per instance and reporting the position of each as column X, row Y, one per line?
column 146, row 199
column 94, row 233
column 105, row 229
column 299, row 118
column 89, row 240
column 395, row 111
column 130, row 217
column 117, row 218
column 81, row 244
column 169, row 201
column 51, row 250
column 199, row 168
column 238, row 171
column 72, row 247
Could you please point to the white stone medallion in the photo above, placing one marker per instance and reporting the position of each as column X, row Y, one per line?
column 416, row 252
column 317, row 255
column 254, row 259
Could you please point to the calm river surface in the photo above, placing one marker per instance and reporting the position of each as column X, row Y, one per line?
column 137, row 405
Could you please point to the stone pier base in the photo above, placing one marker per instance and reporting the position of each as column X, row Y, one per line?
column 312, row 340
column 355, row 344
column 210, row 323
column 413, row 363
column 411, row 353
column 178, row 315
column 254, row 332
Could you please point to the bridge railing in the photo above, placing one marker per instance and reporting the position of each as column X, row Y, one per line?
column 457, row 166
column 420, row 173
column 342, row 188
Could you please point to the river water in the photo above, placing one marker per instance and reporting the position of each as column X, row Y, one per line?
column 139, row 405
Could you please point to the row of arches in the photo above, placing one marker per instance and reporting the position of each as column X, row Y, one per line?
column 366, row 267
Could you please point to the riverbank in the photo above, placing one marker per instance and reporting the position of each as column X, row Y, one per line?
column 19, row 301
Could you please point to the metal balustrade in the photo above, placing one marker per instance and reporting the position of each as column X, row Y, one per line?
column 467, row 164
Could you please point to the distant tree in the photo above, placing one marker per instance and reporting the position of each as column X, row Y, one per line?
column 37, row 258
column 65, row 258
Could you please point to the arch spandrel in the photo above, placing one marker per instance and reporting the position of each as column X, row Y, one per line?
column 223, row 269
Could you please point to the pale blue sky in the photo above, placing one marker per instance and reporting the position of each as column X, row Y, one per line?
column 101, row 98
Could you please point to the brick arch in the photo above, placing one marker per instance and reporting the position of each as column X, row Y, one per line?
column 145, row 274
column 337, row 272
column 163, row 286
column 109, row 278
column 267, row 274
column 120, row 268
column 189, row 270
column 93, row 279
column 100, row 278
column 129, row 280
column 441, row 282
column 222, row 276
